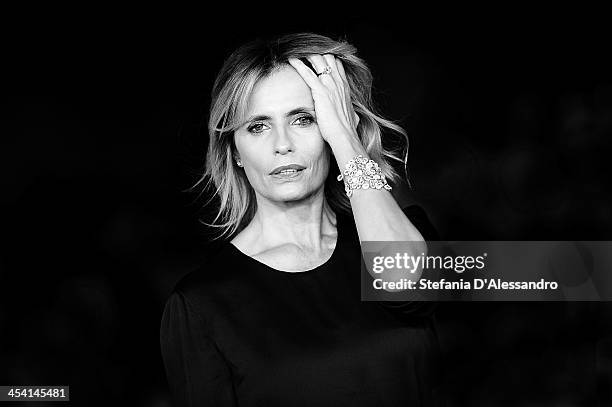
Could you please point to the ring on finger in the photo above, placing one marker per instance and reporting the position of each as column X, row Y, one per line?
column 326, row 71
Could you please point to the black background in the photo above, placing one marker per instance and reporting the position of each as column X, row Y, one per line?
column 509, row 120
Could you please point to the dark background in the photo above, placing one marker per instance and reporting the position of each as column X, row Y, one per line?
column 101, row 131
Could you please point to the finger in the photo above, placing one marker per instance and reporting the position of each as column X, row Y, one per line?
column 319, row 64
column 330, row 61
column 317, row 61
column 306, row 73
column 342, row 73
column 345, row 82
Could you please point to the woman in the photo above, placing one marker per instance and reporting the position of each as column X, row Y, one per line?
column 274, row 318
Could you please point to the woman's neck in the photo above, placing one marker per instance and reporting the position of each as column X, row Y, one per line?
column 308, row 225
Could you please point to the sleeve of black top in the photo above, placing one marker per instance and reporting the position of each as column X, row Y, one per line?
column 197, row 373
column 412, row 309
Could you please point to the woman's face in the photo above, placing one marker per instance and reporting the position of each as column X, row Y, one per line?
column 279, row 130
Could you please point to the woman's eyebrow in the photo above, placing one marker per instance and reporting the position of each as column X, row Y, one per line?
column 299, row 110
column 258, row 117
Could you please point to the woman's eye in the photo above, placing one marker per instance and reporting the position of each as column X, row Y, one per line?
column 305, row 120
column 256, row 128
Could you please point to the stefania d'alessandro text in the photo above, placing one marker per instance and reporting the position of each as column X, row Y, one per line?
column 476, row 284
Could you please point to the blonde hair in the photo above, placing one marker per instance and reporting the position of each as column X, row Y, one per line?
column 231, row 90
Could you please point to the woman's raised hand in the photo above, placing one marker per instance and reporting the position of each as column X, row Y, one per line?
column 334, row 111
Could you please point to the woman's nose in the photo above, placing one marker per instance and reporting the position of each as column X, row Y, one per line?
column 282, row 142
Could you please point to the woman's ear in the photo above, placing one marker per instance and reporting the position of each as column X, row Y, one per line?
column 236, row 157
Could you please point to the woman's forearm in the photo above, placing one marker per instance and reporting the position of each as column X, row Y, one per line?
column 377, row 215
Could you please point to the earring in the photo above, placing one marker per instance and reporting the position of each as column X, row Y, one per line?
column 239, row 163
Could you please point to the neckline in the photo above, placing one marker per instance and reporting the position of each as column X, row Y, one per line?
column 330, row 260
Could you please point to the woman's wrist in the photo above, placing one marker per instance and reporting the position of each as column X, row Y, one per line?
column 357, row 170
column 346, row 148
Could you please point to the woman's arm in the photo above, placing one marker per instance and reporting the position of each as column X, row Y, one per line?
column 377, row 215
column 196, row 371
column 408, row 310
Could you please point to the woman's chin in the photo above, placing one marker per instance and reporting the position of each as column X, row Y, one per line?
column 288, row 194
column 291, row 196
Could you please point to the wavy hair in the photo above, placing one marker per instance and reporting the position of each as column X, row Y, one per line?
column 230, row 94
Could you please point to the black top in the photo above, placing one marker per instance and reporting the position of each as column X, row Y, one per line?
column 237, row 332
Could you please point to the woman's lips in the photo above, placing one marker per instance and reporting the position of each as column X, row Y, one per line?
column 288, row 174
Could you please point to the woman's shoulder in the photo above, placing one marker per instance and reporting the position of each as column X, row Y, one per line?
column 216, row 268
